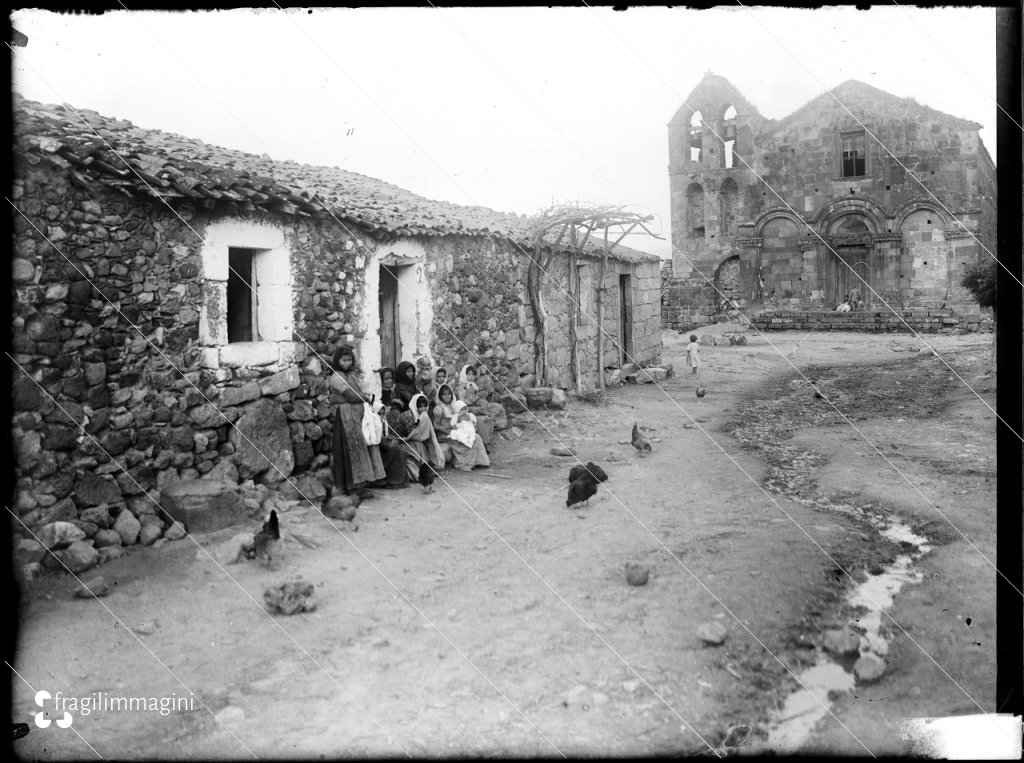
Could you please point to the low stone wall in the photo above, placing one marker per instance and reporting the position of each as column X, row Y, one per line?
column 921, row 321
column 689, row 302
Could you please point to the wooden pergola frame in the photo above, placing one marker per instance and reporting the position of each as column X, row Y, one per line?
column 577, row 223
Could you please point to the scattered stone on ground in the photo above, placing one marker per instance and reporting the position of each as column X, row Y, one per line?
column 290, row 597
column 538, row 397
column 712, row 633
column 561, row 450
column 78, row 557
column 636, row 574
column 110, row 552
column 93, row 587
column 869, row 668
column 176, row 531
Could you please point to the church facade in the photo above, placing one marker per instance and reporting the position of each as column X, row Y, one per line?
column 859, row 194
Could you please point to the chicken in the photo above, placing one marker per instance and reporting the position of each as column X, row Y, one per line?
column 640, row 441
column 701, row 392
column 426, row 477
column 580, row 491
column 590, row 469
column 267, row 542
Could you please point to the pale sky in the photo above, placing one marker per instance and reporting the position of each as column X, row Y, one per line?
column 505, row 108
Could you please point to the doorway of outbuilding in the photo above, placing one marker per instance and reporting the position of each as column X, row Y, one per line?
column 390, row 335
column 625, row 319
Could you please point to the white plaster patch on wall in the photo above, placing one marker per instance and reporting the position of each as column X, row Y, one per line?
column 227, row 233
column 415, row 309
column 369, row 318
column 271, row 278
column 274, row 313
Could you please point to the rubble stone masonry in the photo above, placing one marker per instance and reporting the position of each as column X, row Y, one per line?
column 107, row 301
column 119, row 330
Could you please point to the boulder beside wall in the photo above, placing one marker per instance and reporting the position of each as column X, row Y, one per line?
column 203, row 506
column 262, row 442
column 546, row 397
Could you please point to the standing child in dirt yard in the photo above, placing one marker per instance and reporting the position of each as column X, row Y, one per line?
column 693, row 353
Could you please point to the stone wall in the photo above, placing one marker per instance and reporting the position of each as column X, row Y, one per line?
column 106, row 335
column 119, row 329
column 690, row 301
column 479, row 288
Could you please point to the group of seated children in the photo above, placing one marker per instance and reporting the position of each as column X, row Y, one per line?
column 436, row 419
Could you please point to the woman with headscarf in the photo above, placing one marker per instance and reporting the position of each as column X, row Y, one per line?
column 465, row 442
column 425, row 381
column 387, row 385
column 405, row 381
column 443, row 412
column 469, row 390
column 356, row 464
column 420, row 437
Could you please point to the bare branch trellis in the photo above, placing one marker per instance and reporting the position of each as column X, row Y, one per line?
column 576, row 223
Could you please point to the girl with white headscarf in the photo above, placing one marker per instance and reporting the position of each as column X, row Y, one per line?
column 418, row 432
column 467, row 447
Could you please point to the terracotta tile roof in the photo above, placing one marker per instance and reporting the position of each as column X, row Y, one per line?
column 116, row 153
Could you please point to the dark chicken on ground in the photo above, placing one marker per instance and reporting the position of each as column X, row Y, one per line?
column 590, row 469
column 580, row 490
column 640, row 441
column 267, row 542
column 426, row 477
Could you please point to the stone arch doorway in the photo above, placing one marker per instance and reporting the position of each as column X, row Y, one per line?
column 727, row 280
column 848, row 266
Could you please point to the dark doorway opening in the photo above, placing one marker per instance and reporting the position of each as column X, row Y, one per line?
column 848, row 275
column 625, row 319
column 390, row 335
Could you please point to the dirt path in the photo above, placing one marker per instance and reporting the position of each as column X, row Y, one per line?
column 486, row 618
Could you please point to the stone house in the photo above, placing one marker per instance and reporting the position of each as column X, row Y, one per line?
column 797, row 213
column 170, row 295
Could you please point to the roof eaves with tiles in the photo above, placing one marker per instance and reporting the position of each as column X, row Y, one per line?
column 116, row 153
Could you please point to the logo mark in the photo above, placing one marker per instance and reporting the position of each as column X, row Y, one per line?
column 42, row 721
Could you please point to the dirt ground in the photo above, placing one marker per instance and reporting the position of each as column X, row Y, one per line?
column 486, row 618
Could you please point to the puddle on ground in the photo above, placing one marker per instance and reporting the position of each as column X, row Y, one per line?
column 792, row 726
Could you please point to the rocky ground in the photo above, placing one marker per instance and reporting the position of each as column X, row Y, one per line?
column 486, row 618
